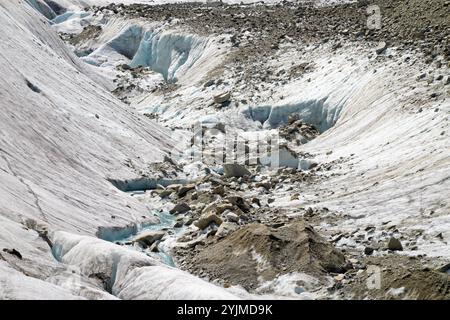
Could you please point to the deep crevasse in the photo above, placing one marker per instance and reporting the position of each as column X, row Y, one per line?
column 169, row 53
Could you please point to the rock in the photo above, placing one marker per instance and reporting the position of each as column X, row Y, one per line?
column 368, row 251
column 225, row 229
column 239, row 202
column 180, row 208
column 147, row 238
column 174, row 187
column 189, row 221
column 206, row 219
column 154, row 247
column 165, row 193
column 13, row 252
column 256, row 252
column 336, row 46
column 235, row 170
column 394, row 244
column 208, row 83
column 293, row 118
column 220, row 190
column 256, row 202
column 178, row 224
column 222, row 98
column 233, row 217
column 266, row 185
column 185, row 189
column 219, row 209
column 339, row 277
column 382, row 46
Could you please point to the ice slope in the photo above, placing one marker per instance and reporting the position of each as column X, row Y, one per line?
column 131, row 274
column 62, row 135
column 392, row 134
column 394, row 138
column 398, row 146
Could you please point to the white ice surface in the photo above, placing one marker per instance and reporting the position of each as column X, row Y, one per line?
column 62, row 135
column 133, row 274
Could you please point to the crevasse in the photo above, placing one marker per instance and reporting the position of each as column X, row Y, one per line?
column 168, row 53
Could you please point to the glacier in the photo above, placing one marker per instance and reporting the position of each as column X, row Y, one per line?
column 65, row 141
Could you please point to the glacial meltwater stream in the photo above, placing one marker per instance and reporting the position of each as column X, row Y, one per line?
column 166, row 223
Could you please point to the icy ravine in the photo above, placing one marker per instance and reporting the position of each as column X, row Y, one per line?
column 62, row 137
column 373, row 112
column 169, row 53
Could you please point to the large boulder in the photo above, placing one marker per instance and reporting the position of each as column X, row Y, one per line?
column 147, row 238
column 207, row 218
column 235, row 170
column 225, row 229
column 180, row 208
column 257, row 252
column 394, row 244
column 185, row 189
column 222, row 97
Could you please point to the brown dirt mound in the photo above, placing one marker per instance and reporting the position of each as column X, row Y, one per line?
column 412, row 277
column 257, row 252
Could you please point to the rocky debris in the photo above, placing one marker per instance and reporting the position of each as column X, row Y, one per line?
column 180, row 208
column 297, row 131
column 368, row 250
column 225, row 229
column 209, row 83
column 89, row 32
column 220, row 190
column 165, row 193
column 185, row 189
column 240, row 202
column 235, row 170
column 257, row 251
column 394, row 244
column 382, row 46
column 405, row 24
column 222, row 98
column 232, row 217
column 206, row 219
column 179, row 224
column 147, row 238
column 13, row 252
column 174, row 187
column 412, row 274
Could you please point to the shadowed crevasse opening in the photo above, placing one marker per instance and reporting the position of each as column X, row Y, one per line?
column 142, row 184
column 314, row 112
